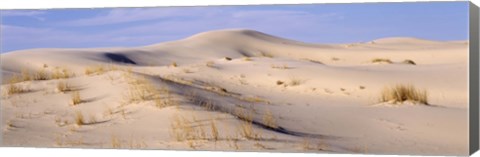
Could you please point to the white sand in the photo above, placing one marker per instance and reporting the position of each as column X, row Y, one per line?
column 333, row 107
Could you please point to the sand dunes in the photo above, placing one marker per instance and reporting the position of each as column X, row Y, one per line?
column 240, row 90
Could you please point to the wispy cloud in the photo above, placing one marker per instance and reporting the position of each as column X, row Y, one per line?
column 126, row 15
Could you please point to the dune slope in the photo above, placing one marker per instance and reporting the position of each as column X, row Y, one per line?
column 240, row 90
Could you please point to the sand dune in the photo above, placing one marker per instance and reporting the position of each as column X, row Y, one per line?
column 240, row 90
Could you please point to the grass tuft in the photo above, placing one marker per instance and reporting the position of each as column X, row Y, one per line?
column 76, row 99
column 401, row 93
column 408, row 61
column 381, row 60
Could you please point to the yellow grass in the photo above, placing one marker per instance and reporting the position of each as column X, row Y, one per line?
column 116, row 142
column 269, row 120
column 401, row 93
column 214, row 130
column 97, row 69
column 76, row 99
column 41, row 75
column 247, row 131
column 79, row 118
column 63, row 87
column 15, row 89
column 61, row 74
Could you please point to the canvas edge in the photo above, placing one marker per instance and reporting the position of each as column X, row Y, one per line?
column 474, row 85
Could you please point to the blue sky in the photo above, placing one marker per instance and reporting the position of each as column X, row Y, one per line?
column 320, row 23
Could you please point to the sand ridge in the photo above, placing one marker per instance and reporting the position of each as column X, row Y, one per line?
column 240, row 90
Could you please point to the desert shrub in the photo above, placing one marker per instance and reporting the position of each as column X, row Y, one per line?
column 401, row 93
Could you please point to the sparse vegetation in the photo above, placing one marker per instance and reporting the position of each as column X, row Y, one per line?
column 269, row 120
column 247, row 131
column 15, row 89
column 79, row 118
column 210, row 64
column 280, row 66
column 173, row 64
column 97, row 69
column 247, row 59
column 408, row 61
column 280, row 82
column 63, row 87
column 76, row 99
column 314, row 61
column 61, row 74
column 268, row 55
column 401, row 93
column 41, row 75
column 116, row 142
column 214, row 130
column 295, row 82
column 25, row 75
column 381, row 60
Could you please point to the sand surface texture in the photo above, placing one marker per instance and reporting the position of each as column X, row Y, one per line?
column 242, row 90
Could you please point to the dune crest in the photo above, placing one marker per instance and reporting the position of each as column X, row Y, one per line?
column 243, row 90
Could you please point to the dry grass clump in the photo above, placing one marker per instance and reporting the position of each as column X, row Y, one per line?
column 210, row 64
column 401, row 93
column 79, row 118
column 173, row 64
column 41, row 75
column 25, row 75
column 247, row 59
column 314, row 61
column 183, row 130
column 408, row 61
column 246, row 127
column 186, row 130
column 15, row 89
column 335, row 59
column 96, row 69
column 143, row 90
column 269, row 120
column 295, row 82
column 62, row 74
column 116, row 142
column 133, row 144
column 76, row 99
column 247, row 131
column 280, row 66
column 64, row 87
column 214, row 130
column 264, row 54
column 381, row 60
